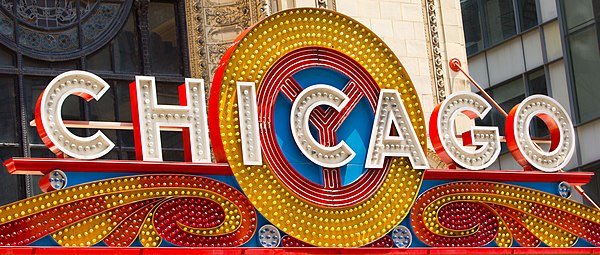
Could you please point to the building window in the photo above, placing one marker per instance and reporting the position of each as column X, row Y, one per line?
column 60, row 29
column 472, row 26
column 582, row 24
column 579, row 13
column 527, row 14
column 500, row 18
column 490, row 22
column 149, row 41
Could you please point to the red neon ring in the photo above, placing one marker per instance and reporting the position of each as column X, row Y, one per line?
column 272, row 85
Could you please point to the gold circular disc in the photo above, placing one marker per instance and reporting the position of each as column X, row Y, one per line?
column 249, row 59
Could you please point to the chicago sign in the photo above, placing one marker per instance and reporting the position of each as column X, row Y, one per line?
column 319, row 139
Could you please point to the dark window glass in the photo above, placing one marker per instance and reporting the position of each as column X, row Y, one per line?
column 126, row 49
column 126, row 139
column 472, row 26
column 11, row 188
column 128, row 155
column 578, row 12
column 123, row 51
column 585, row 59
column 72, row 107
column 7, row 57
column 171, row 139
column 62, row 65
column 173, row 155
column 527, row 13
column 114, row 154
column 33, row 88
column 100, row 60
column 121, row 88
column 167, row 93
column 164, row 42
column 537, row 83
column 8, row 110
column 500, row 20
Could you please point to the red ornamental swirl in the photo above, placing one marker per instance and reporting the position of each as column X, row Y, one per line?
column 181, row 209
column 175, row 217
column 471, row 214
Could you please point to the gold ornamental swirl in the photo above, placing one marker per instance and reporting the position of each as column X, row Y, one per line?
column 476, row 213
column 182, row 209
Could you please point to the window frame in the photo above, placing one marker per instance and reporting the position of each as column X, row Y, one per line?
column 26, row 146
column 565, row 34
column 518, row 25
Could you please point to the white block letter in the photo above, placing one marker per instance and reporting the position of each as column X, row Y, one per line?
column 310, row 98
column 149, row 116
column 562, row 134
column 247, row 111
column 49, row 121
column 443, row 138
column 391, row 111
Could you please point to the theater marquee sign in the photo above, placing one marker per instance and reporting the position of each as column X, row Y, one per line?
column 319, row 139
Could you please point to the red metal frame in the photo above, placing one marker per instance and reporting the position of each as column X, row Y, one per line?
column 290, row 251
column 41, row 166
column 574, row 178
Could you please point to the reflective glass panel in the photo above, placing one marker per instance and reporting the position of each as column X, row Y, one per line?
column 528, row 13
column 500, row 17
column 164, row 42
column 472, row 26
column 585, row 59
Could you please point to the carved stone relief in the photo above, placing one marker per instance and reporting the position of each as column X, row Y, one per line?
column 212, row 25
column 327, row 4
column 437, row 60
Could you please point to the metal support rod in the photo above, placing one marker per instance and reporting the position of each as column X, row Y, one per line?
column 456, row 66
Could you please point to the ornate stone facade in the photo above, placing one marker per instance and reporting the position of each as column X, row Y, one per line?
column 212, row 25
column 443, row 21
column 439, row 84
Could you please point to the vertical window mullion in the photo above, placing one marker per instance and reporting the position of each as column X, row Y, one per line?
column 484, row 23
column 517, row 16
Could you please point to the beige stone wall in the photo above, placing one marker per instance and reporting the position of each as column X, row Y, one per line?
column 401, row 25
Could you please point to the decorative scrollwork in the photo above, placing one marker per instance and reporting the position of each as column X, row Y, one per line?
column 470, row 214
column 226, row 15
column 434, row 36
column 50, row 14
column 183, row 210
